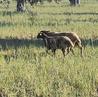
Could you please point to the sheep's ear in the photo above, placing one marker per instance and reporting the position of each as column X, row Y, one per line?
column 41, row 31
column 44, row 31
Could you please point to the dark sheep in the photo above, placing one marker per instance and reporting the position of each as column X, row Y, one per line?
column 73, row 36
column 57, row 42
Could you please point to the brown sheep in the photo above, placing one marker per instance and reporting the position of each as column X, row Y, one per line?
column 57, row 42
column 73, row 36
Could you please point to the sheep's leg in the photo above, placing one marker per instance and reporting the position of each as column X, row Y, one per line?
column 68, row 50
column 63, row 51
column 81, row 49
column 81, row 52
column 47, row 51
column 54, row 50
column 72, row 51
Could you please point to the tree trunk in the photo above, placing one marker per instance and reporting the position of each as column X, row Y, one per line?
column 78, row 2
column 20, row 5
column 74, row 2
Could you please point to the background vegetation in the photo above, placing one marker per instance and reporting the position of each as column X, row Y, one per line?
column 27, row 71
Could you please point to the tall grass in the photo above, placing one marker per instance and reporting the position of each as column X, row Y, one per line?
column 25, row 68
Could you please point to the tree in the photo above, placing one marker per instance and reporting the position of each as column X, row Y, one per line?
column 20, row 5
column 78, row 2
column 74, row 2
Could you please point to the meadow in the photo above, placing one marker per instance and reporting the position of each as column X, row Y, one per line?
column 25, row 68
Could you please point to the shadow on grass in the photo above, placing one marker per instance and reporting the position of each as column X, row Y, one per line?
column 34, row 42
column 89, row 42
column 16, row 43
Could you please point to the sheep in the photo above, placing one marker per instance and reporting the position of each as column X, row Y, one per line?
column 57, row 42
column 73, row 36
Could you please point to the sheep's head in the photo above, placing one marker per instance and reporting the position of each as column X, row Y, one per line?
column 41, row 33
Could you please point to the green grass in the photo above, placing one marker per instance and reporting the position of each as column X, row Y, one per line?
column 25, row 68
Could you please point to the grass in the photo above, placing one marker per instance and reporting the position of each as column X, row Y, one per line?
column 25, row 68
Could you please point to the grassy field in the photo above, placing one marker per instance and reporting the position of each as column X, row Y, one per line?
column 25, row 68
